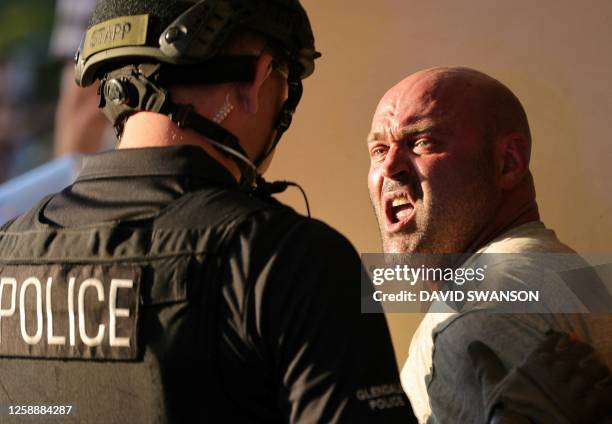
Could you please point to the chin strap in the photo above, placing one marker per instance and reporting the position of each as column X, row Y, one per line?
column 185, row 117
column 222, row 139
column 286, row 114
column 135, row 88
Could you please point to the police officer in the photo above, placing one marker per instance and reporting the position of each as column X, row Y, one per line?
column 165, row 285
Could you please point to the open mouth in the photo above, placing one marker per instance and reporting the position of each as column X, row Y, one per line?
column 399, row 210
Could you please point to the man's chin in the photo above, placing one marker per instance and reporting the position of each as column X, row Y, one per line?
column 399, row 244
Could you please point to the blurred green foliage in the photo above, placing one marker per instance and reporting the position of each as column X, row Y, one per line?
column 24, row 22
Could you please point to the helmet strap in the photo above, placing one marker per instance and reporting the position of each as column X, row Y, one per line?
column 136, row 88
column 285, row 116
column 133, row 89
column 227, row 143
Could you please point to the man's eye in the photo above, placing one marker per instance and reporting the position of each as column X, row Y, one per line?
column 422, row 144
column 378, row 151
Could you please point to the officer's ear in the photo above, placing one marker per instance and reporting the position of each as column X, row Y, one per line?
column 249, row 92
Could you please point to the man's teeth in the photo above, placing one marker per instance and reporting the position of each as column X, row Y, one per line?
column 400, row 201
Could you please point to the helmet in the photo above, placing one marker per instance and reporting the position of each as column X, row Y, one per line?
column 185, row 33
column 136, row 47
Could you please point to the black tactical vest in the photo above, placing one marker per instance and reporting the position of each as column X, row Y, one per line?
column 116, row 320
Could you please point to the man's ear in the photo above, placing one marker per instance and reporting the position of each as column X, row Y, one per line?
column 249, row 91
column 512, row 154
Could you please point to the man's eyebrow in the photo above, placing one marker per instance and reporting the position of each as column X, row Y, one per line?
column 417, row 127
column 413, row 131
column 410, row 130
column 375, row 136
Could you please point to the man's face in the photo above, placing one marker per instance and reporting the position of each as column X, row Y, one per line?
column 432, row 177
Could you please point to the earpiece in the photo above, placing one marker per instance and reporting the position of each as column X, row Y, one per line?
column 224, row 112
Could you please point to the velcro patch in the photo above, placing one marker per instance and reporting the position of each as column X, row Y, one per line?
column 119, row 32
column 70, row 311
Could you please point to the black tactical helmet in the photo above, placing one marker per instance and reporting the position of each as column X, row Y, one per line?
column 188, row 32
column 137, row 48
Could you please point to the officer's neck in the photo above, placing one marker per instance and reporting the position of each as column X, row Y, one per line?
column 148, row 129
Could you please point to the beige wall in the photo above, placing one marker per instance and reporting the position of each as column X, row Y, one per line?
column 555, row 55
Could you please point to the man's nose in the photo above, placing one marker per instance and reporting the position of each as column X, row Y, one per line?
column 397, row 164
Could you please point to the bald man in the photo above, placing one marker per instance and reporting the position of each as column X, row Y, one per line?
column 449, row 151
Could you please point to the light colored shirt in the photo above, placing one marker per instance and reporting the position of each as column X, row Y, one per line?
column 438, row 375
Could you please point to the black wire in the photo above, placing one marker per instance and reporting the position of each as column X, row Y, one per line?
column 291, row 183
column 265, row 188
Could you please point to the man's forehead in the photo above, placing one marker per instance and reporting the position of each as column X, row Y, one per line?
column 416, row 94
column 398, row 117
column 421, row 101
